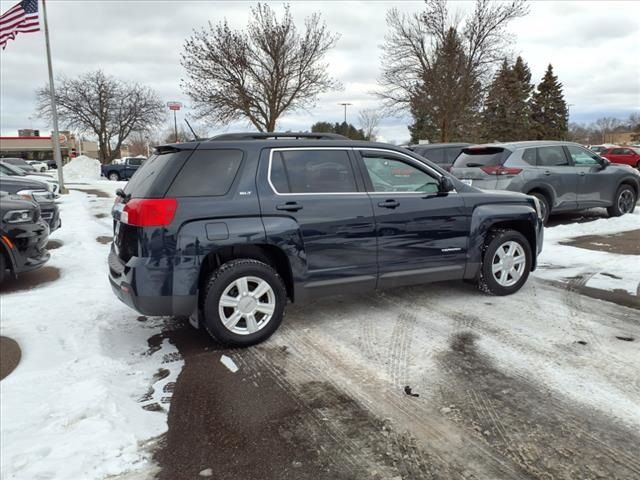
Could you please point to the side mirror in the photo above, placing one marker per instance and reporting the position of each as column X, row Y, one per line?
column 605, row 162
column 446, row 185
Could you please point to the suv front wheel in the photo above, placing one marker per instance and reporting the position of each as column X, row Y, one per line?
column 506, row 264
column 624, row 201
column 244, row 302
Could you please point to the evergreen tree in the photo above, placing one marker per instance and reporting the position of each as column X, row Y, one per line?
column 445, row 102
column 506, row 115
column 549, row 112
column 346, row 129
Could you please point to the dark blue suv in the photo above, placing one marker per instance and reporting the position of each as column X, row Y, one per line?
column 230, row 229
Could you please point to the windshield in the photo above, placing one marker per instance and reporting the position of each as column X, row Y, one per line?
column 9, row 169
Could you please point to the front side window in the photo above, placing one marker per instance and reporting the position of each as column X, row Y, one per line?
column 617, row 151
column 582, row 156
column 135, row 162
column 552, row 157
column 312, row 171
column 391, row 175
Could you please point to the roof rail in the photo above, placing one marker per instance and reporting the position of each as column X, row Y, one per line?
column 275, row 135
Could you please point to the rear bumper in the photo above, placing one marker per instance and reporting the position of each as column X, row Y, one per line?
column 147, row 287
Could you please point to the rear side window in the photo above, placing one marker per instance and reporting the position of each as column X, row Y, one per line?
column 452, row 154
column 530, row 156
column 551, row 157
column 481, row 157
column 312, row 171
column 207, row 173
column 436, row 155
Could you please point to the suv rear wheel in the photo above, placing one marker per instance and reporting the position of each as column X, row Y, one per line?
column 623, row 202
column 114, row 177
column 544, row 206
column 506, row 264
column 244, row 302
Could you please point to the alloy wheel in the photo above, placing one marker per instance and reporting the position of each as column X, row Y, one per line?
column 625, row 201
column 508, row 263
column 247, row 305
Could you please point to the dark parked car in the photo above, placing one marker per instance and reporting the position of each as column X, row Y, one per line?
column 23, row 236
column 443, row 154
column 563, row 176
column 34, row 191
column 226, row 230
column 122, row 171
column 18, row 162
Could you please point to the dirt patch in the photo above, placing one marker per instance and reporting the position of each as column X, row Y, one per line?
column 101, row 215
column 93, row 191
column 255, row 424
column 10, row 355
column 625, row 243
column 532, row 426
column 104, row 239
column 54, row 244
column 577, row 217
column 619, row 296
column 29, row 280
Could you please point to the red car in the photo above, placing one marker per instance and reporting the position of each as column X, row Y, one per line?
column 627, row 155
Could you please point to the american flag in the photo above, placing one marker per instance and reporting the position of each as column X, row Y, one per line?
column 22, row 18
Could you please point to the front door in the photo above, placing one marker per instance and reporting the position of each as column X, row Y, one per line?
column 422, row 234
column 590, row 177
column 315, row 193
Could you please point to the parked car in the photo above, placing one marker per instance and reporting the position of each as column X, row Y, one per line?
column 18, row 162
column 625, row 155
column 443, row 154
column 39, row 166
column 563, row 176
column 124, row 170
column 226, row 230
column 51, row 164
column 13, row 171
column 37, row 192
column 23, row 236
column 600, row 148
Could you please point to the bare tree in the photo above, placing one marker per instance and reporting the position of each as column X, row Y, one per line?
column 606, row 125
column 415, row 43
column 260, row 73
column 109, row 108
column 369, row 120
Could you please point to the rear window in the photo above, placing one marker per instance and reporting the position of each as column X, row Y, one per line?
column 480, row 157
column 207, row 173
column 436, row 155
column 149, row 180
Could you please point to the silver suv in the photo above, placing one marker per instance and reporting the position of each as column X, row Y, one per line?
column 563, row 176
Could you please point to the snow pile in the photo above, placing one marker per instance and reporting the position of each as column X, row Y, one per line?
column 602, row 270
column 82, row 168
column 73, row 408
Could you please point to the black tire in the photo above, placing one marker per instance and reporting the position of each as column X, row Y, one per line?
column 623, row 202
column 544, row 206
column 3, row 268
column 487, row 282
column 223, row 278
column 113, row 176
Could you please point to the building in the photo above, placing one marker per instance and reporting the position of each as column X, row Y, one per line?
column 31, row 146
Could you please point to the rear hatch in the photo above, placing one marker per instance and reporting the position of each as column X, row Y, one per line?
column 480, row 166
column 150, row 181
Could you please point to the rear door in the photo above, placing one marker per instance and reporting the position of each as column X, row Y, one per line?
column 553, row 171
column 317, row 192
column 422, row 234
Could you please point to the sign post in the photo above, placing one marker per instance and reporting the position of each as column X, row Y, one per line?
column 175, row 106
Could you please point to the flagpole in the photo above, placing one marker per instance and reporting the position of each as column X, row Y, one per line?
column 57, row 155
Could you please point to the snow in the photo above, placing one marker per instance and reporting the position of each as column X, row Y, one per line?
column 229, row 363
column 72, row 409
column 82, row 168
column 603, row 270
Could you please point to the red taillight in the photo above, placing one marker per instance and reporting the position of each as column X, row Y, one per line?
column 500, row 170
column 149, row 212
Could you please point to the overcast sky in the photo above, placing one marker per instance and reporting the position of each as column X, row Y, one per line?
column 593, row 46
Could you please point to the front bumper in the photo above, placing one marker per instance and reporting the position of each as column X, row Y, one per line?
column 51, row 214
column 27, row 246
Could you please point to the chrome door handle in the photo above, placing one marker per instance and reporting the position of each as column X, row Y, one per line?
column 289, row 206
column 389, row 204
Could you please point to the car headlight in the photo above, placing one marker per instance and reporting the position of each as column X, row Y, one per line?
column 39, row 196
column 18, row 216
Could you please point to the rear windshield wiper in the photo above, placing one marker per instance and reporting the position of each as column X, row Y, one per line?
column 472, row 164
column 125, row 196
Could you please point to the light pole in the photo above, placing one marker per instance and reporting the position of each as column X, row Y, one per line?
column 345, row 105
